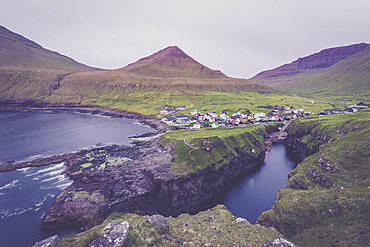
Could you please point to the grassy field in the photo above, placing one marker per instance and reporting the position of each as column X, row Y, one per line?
column 212, row 146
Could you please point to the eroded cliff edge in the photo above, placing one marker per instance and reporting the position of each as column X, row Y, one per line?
column 139, row 178
column 326, row 202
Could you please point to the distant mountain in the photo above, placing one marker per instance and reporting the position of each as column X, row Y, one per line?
column 172, row 62
column 335, row 69
column 28, row 71
column 18, row 51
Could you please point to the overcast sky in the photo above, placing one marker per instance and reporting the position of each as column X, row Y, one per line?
column 238, row 37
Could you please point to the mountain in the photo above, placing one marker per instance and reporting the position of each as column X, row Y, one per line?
column 167, row 77
column 331, row 70
column 18, row 51
column 172, row 62
column 29, row 72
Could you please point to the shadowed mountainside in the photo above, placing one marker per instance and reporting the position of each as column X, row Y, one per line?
column 335, row 70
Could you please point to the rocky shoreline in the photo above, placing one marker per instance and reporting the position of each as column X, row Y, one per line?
column 135, row 179
column 159, row 127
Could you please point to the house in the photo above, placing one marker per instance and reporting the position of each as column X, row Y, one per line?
column 194, row 112
column 361, row 105
column 196, row 126
column 212, row 114
column 215, row 125
column 224, row 116
column 168, row 112
column 328, row 112
column 352, row 109
column 169, row 120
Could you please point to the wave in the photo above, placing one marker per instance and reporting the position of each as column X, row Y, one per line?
column 10, row 185
column 59, row 177
column 6, row 213
column 52, row 169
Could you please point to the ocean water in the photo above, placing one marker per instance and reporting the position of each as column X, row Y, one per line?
column 27, row 135
column 27, row 193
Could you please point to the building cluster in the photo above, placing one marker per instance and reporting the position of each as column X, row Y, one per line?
column 197, row 120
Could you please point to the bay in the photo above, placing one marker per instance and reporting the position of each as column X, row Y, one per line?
column 27, row 193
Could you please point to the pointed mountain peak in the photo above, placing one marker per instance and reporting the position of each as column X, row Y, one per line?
column 172, row 62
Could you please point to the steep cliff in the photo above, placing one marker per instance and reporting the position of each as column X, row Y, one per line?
column 326, row 202
column 141, row 178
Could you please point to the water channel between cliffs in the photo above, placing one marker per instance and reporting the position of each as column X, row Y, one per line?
column 25, row 194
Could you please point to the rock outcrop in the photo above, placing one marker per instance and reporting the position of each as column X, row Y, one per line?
column 139, row 179
column 280, row 242
column 115, row 237
column 48, row 242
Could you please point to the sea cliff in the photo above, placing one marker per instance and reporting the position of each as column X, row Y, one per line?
column 326, row 202
column 140, row 178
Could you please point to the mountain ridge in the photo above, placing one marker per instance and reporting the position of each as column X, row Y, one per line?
column 18, row 51
column 319, row 60
column 333, row 71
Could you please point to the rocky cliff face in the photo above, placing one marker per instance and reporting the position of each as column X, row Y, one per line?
column 138, row 179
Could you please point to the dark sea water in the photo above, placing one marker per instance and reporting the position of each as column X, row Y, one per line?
column 31, row 135
column 250, row 195
column 26, row 194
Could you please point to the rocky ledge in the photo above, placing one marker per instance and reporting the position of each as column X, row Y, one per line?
column 137, row 179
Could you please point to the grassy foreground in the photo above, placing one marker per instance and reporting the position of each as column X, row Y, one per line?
column 214, row 227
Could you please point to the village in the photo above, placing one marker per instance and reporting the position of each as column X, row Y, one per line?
column 242, row 118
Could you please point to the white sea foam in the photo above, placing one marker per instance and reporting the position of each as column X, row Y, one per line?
column 59, row 177
column 54, row 169
column 10, row 185
column 24, row 169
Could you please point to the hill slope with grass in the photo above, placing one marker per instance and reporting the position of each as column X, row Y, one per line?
column 28, row 71
column 167, row 77
column 335, row 71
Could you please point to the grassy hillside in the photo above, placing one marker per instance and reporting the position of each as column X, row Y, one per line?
column 213, row 146
column 332, row 206
column 28, row 72
column 328, row 75
column 215, row 227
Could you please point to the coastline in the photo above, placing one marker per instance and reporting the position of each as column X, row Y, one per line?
column 160, row 128
column 135, row 183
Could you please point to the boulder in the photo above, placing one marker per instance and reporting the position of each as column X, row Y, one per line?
column 158, row 220
column 280, row 242
column 115, row 238
column 49, row 242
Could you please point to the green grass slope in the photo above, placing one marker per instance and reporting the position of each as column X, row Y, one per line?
column 28, row 71
column 168, row 77
column 332, row 208
column 331, row 73
column 214, row 227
